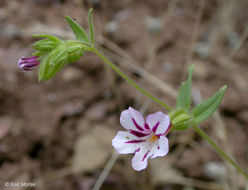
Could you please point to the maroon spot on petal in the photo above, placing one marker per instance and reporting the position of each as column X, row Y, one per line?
column 145, row 155
column 147, row 126
column 135, row 141
column 168, row 129
column 137, row 150
column 158, row 147
column 155, row 127
column 138, row 134
column 136, row 125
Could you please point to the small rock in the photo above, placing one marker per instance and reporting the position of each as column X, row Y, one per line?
column 196, row 96
column 5, row 127
column 3, row 14
column 188, row 188
column 70, row 74
column 97, row 111
column 216, row 171
column 111, row 28
column 202, row 49
column 163, row 172
column 92, row 149
column 201, row 71
column 71, row 108
column 168, row 67
column 243, row 116
column 51, row 97
column 11, row 31
column 123, row 15
column 233, row 38
column 95, row 2
column 154, row 24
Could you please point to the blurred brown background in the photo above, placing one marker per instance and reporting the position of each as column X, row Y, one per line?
column 57, row 134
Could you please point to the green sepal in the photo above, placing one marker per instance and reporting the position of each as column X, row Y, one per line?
column 43, row 68
column 78, row 30
column 175, row 113
column 182, row 122
column 52, row 63
column 51, row 37
column 40, row 53
column 206, row 108
column 184, row 96
column 180, row 119
column 75, row 50
column 45, row 45
column 58, row 54
column 55, row 68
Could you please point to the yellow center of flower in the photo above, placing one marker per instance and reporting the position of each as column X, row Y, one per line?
column 154, row 137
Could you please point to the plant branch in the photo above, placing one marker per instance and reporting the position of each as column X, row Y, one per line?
column 219, row 150
column 129, row 80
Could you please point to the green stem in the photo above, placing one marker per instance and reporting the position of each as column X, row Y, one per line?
column 218, row 149
column 148, row 94
column 129, row 80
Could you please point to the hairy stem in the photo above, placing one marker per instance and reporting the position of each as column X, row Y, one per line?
column 129, row 80
column 219, row 150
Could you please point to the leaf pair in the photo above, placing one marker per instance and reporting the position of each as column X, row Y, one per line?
column 79, row 32
column 203, row 110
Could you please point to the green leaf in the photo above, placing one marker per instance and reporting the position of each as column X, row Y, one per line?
column 91, row 26
column 78, row 30
column 206, row 108
column 184, row 96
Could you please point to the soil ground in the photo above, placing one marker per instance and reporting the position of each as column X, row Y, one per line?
column 57, row 134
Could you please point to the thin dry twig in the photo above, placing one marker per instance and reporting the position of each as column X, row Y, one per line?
column 104, row 174
column 164, row 87
column 239, row 43
column 194, row 37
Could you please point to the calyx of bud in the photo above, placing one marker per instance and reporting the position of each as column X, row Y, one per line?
column 180, row 119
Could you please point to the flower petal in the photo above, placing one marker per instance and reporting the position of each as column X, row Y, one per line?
column 139, row 161
column 162, row 147
column 158, row 122
column 132, row 119
column 126, row 143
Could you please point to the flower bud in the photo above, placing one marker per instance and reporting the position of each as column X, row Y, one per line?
column 28, row 63
column 180, row 119
column 45, row 45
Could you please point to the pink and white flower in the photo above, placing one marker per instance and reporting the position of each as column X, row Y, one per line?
column 145, row 138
